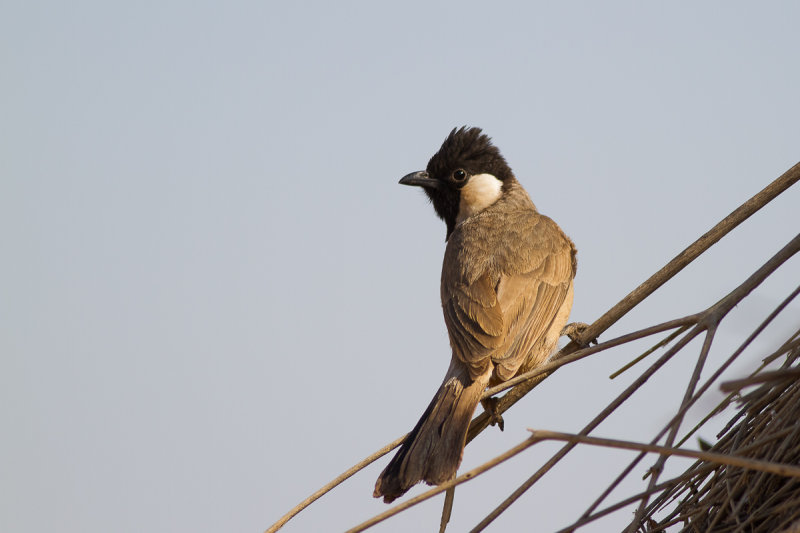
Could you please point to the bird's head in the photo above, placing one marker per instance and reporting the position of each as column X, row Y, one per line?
column 466, row 175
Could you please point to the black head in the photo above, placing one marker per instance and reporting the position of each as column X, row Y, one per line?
column 465, row 153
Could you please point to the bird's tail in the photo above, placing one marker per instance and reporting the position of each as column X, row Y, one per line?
column 432, row 451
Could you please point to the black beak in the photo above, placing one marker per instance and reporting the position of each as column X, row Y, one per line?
column 421, row 179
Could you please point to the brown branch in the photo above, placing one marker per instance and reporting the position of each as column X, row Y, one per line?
column 475, row 472
column 330, row 486
column 447, row 508
column 663, row 342
column 792, row 342
column 616, row 507
column 675, row 424
column 558, row 361
column 777, row 375
column 596, row 421
column 711, row 457
column 739, row 215
column 683, row 478
column 729, row 302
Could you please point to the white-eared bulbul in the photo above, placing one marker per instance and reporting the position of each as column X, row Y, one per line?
column 506, row 293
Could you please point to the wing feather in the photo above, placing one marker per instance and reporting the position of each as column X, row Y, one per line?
column 505, row 317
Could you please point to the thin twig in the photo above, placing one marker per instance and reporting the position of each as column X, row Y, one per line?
column 605, row 413
column 560, row 360
column 790, row 343
column 447, row 508
column 777, row 375
column 616, row 507
column 727, row 302
column 675, row 424
column 336, row 481
column 663, row 342
column 699, row 469
column 717, row 458
column 737, row 216
column 475, row 472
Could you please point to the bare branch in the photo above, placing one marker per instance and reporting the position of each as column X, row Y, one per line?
column 735, row 385
column 717, row 458
column 475, row 472
column 334, row 483
column 739, row 215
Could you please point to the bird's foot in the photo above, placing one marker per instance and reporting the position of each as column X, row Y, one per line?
column 495, row 418
column 575, row 330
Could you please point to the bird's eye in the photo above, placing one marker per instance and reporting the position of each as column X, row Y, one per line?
column 459, row 175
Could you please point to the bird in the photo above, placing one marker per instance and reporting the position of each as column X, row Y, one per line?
column 506, row 292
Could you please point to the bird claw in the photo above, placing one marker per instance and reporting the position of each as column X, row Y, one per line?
column 495, row 418
column 575, row 330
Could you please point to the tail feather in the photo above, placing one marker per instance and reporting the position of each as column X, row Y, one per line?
column 432, row 450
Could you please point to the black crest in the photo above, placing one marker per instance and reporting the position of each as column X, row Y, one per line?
column 471, row 150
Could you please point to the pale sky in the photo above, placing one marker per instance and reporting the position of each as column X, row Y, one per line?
column 214, row 296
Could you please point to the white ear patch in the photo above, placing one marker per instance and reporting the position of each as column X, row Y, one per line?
column 481, row 191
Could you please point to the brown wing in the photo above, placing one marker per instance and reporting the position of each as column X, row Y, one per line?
column 505, row 315
column 474, row 322
column 531, row 303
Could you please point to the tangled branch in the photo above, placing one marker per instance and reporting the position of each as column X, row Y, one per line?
column 747, row 454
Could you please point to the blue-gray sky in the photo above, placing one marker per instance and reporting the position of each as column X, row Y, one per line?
column 214, row 296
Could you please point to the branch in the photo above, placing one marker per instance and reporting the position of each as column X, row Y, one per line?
column 692, row 252
column 717, row 458
column 683, row 478
column 475, row 472
column 777, row 375
column 330, row 486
